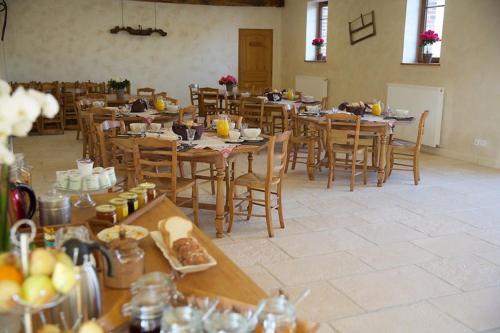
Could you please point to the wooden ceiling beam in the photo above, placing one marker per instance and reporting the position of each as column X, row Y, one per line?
column 255, row 3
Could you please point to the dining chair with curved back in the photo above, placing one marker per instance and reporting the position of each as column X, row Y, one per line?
column 104, row 131
column 402, row 152
column 146, row 92
column 271, row 184
column 194, row 94
column 252, row 110
column 339, row 125
column 210, row 100
column 156, row 160
column 96, row 116
column 53, row 125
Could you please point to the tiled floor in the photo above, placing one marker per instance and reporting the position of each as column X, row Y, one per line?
column 401, row 258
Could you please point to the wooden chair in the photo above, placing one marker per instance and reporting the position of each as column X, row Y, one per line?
column 83, row 127
column 252, row 110
column 194, row 94
column 211, row 101
column 156, row 160
column 336, row 132
column 246, row 88
column 95, row 87
column 97, row 97
column 279, row 119
column 299, row 139
column 188, row 110
column 146, row 92
column 96, row 116
column 68, row 90
column 324, row 103
column 272, row 180
column 56, row 124
column 106, row 130
column 402, row 152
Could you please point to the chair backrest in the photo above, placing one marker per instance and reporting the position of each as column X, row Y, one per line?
column 104, row 131
column 421, row 127
column 252, row 110
column 209, row 100
column 339, row 124
column 246, row 87
column 98, row 115
column 236, row 119
column 188, row 110
column 324, row 103
column 145, row 92
column 193, row 93
column 172, row 100
column 277, row 155
column 163, row 94
column 156, row 159
column 97, row 97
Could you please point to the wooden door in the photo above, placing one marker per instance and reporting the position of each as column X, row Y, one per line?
column 255, row 59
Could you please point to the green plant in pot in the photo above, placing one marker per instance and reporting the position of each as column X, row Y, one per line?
column 119, row 85
column 428, row 38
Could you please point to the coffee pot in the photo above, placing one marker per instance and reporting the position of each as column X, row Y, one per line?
column 23, row 201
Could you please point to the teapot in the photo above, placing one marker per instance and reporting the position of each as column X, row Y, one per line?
column 23, row 201
column 139, row 106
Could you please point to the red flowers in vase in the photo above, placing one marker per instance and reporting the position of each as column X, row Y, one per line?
column 429, row 37
column 228, row 79
column 318, row 42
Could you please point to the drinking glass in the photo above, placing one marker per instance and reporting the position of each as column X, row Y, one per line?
column 200, row 120
column 191, row 132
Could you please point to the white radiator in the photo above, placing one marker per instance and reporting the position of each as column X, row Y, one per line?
column 312, row 86
column 417, row 99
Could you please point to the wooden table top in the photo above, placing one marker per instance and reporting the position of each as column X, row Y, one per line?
column 224, row 279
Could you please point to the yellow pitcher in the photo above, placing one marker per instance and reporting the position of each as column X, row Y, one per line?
column 376, row 109
column 223, row 126
column 159, row 104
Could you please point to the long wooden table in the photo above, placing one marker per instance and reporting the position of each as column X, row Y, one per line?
column 202, row 156
column 224, row 279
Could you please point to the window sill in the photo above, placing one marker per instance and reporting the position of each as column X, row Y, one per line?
column 421, row 63
column 320, row 61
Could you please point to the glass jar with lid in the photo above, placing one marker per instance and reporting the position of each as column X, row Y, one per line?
column 161, row 283
column 278, row 316
column 183, row 319
column 151, row 188
column 133, row 203
column 228, row 322
column 142, row 195
column 106, row 213
column 145, row 310
column 127, row 260
column 121, row 208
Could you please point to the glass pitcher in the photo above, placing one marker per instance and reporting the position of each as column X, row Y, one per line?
column 223, row 126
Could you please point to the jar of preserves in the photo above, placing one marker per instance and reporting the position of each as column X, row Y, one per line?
column 145, row 310
column 121, row 208
column 132, row 201
column 142, row 195
column 106, row 213
column 278, row 316
column 185, row 319
column 151, row 189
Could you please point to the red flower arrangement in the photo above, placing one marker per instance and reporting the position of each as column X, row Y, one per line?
column 429, row 37
column 318, row 42
column 228, row 79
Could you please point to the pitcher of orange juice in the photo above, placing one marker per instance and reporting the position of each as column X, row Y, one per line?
column 223, row 126
column 377, row 108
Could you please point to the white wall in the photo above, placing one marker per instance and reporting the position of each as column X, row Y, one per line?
column 69, row 40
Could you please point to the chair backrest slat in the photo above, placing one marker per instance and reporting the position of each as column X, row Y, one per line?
column 252, row 110
column 276, row 161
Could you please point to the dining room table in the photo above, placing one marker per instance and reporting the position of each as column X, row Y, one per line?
column 379, row 125
column 219, row 154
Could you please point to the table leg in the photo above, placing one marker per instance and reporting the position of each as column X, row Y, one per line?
column 220, row 203
column 310, row 158
column 383, row 159
column 250, row 162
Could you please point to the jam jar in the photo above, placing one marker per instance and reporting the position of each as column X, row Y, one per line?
column 106, row 213
column 278, row 316
column 145, row 310
column 182, row 319
column 121, row 208
column 151, row 188
column 228, row 322
column 132, row 202
column 142, row 195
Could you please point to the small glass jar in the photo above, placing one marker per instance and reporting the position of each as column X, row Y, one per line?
column 106, row 213
column 132, row 202
column 142, row 195
column 183, row 319
column 121, row 208
column 278, row 316
column 145, row 310
column 228, row 322
column 151, row 188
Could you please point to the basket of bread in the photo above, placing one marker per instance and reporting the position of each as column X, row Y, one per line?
column 184, row 253
column 357, row 108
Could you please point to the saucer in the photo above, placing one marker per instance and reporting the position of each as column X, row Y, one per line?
column 259, row 138
column 135, row 133
column 235, row 141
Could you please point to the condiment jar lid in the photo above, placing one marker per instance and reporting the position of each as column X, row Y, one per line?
column 128, row 195
column 105, row 209
column 140, row 190
column 147, row 186
column 123, row 242
column 118, row 201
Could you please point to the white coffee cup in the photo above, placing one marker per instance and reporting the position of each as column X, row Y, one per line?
column 232, row 125
column 111, row 174
column 75, row 182
column 104, row 180
column 91, row 182
column 85, row 166
column 234, row 135
column 138, row 127
column 154, row 127
column 62, row 179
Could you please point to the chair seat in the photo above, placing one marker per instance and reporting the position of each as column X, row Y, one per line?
column 402, row 144
column 181, row 185
column 346, row 148
column 300, row 139
column 254, row 180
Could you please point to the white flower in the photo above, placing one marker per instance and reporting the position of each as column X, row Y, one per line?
column 22, row 128
column 51, row 106
column 7, row 110
column 5, row 89
column 26, row 108
column 6, row 156
column 5, row 130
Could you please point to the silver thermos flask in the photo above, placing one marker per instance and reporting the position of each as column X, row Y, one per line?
column 55, row 208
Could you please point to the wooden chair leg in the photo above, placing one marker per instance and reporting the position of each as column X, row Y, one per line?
column 353, row 171
column 331, row 165
column 269, row 216
column 231, row 207
column 250, row 203
column 280, row 207
column 365, row 167
column 194, row 194
column 233, row 170
column 181, row 168
column 415, row 170
column 295, row 153
column 212, row 181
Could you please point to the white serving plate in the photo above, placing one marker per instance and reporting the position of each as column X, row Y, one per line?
column 109, row 234
column 257, row 139
column 174, row 262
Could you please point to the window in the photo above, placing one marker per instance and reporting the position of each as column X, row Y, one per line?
column 317, row 27
column 432, row 19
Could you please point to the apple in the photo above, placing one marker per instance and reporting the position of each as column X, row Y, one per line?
column 90, row 327
column 7, row 290
column 63, row 278
column 49, row 329
column 62, row 257
column 42, row 262
column 8, row 258
column 37, row 289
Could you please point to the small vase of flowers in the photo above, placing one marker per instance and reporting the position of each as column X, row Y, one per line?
column 318, row 43
column 229, row 81
column 428, row 38
column 119, row 85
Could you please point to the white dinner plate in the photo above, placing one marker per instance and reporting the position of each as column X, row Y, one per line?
column 131, row 231
column 257, row 139
column 174, row 262
column 134, row 133
column 235, row 141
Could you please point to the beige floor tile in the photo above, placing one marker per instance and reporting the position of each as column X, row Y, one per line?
column 491, row 256
column 454, row 245
column 386, row 233
column 437, row 225
column 251, row 252
column 326, row 328
column 392, row 255
column 312, row 269
column 384, row 214
column 476, row 309
column 330, row 221
column 324, row 304
column 483, row 218
column 392, row 287
column 256, row 228
column 489, row 235
column 318, row 243
column 466, row 273
column 415, row 318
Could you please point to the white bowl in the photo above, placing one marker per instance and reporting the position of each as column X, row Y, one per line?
column 251, row 133
column 138, row 127
column 172, row 108
column 400, row 113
